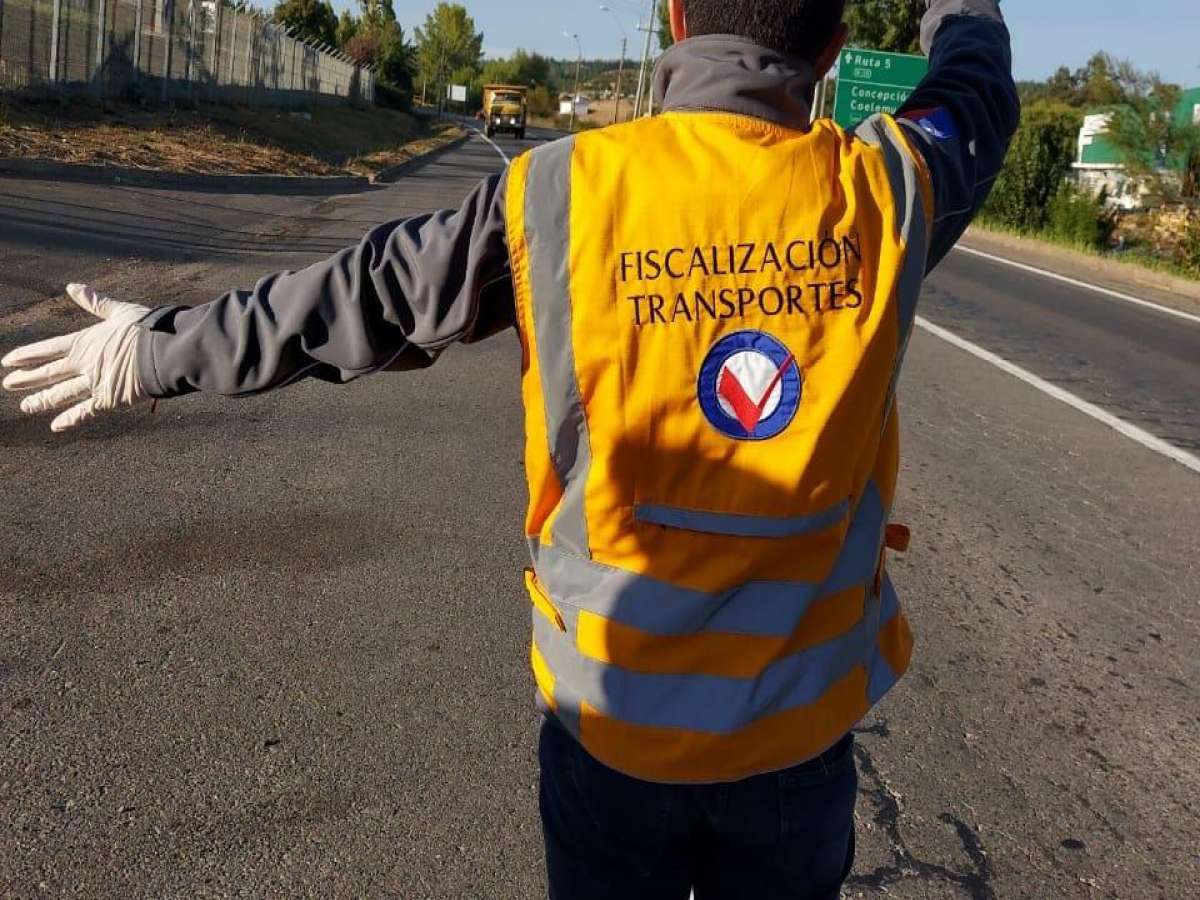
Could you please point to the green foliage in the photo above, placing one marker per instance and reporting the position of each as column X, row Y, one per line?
column 1103, row 81
column 1189, row 247
column 522, row 67
column 1038, row 162
column 665, row 38
column 448, row 43
column 347, row 28
column 542, row 103
column 1078, row 218
column 378, row 41
column 892, row 25
column 313, row 20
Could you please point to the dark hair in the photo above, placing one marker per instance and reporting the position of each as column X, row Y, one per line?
column 800, row 28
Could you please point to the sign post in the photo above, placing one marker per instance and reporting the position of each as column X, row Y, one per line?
column 871, row 81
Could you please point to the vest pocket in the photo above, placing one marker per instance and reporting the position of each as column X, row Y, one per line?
column 739, row 524
column 542, row 602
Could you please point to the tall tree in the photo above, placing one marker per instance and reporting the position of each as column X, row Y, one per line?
column 379, row 41
column 313, row 20
column 892, row 25
column 448, row 43
column 347, row 28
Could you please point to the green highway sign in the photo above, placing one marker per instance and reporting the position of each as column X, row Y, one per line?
column 871, row 81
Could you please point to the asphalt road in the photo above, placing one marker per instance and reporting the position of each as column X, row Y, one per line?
column 277, row 647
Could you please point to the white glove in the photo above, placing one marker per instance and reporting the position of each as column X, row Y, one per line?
column 95, row 369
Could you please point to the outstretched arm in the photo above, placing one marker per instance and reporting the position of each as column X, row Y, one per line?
column 396, row 300
column 406, row 291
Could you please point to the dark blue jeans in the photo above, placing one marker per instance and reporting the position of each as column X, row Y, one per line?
column 787, row 835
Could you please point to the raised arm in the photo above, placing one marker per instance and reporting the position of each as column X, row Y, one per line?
column 963, row 115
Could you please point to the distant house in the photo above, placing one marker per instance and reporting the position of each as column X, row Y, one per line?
column 1098, row 163
column 583, row 105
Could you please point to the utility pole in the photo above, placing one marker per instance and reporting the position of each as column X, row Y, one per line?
column 643, row 72
column 621, row 68
column 578, row 63
column 620, row 73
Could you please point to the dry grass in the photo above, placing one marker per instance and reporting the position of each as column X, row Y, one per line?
column 217, row 140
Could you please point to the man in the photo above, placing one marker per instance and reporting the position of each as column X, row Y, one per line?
column 714, row 305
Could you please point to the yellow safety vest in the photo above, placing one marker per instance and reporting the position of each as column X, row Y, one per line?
column 713, row 311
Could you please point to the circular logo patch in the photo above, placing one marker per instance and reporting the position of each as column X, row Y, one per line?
column 749, row 386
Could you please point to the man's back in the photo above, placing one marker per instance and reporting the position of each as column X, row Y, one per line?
column 715, row 307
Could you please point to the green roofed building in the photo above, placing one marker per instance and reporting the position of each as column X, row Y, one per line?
column 1099, row 164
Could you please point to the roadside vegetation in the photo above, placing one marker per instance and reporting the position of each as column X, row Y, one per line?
column 1035, row 196
column 335, row 140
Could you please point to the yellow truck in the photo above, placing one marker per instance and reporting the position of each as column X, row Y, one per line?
column 504, row 109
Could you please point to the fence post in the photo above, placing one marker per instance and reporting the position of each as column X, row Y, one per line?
column 249, row 55
column 295, row 64
column 137, row 40
column 189, row 70
column 232, row 48
column 214, row 65
column 101, row 34
column 55, row 28
column 169, row 16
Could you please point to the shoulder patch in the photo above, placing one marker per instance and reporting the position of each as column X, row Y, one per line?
column 935, row 121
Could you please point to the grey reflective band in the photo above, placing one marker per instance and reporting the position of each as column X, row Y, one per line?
column 910, row 210
column 737, row 525
column 914, row 231
column 762, row 608
column 548, row 237
column 707, row 703
column 880, row 676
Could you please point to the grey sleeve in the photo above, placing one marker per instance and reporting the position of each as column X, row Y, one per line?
column 406, row 291
column 962, row 116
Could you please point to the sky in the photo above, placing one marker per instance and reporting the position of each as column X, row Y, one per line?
column 1159, row 35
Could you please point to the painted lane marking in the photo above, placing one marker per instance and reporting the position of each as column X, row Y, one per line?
column 495, row 146
column 1141, row 436
column 1075, row 282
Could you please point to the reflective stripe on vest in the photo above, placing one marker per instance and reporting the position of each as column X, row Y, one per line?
column 709, row 594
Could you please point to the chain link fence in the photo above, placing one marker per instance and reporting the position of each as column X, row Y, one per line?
column 169, row 50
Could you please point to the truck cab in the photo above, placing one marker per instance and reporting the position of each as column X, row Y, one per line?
column 505, row 108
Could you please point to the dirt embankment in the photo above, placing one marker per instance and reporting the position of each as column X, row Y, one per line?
column 218, row 140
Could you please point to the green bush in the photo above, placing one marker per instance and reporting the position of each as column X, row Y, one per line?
column 391, row 97
column 1189, row 247
column 1076, row 217
column 1038, row 161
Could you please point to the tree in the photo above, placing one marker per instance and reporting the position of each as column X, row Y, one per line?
column 312, row 20
column 522, row 67
column 892, row 25
column 1038, row 162
column 665, row 37
column 448, row 42
column 378, row 41
column 347, row 28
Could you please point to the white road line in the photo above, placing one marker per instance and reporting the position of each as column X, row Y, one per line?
column 1137, row 301
column 495, row 146
column 1145, row 438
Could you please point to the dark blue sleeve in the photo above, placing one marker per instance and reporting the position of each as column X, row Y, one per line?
column 962, row 117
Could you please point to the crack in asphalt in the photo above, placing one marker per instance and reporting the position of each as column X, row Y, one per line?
column 976, row 881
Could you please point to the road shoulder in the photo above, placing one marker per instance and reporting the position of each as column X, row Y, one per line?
column 1157, row 287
